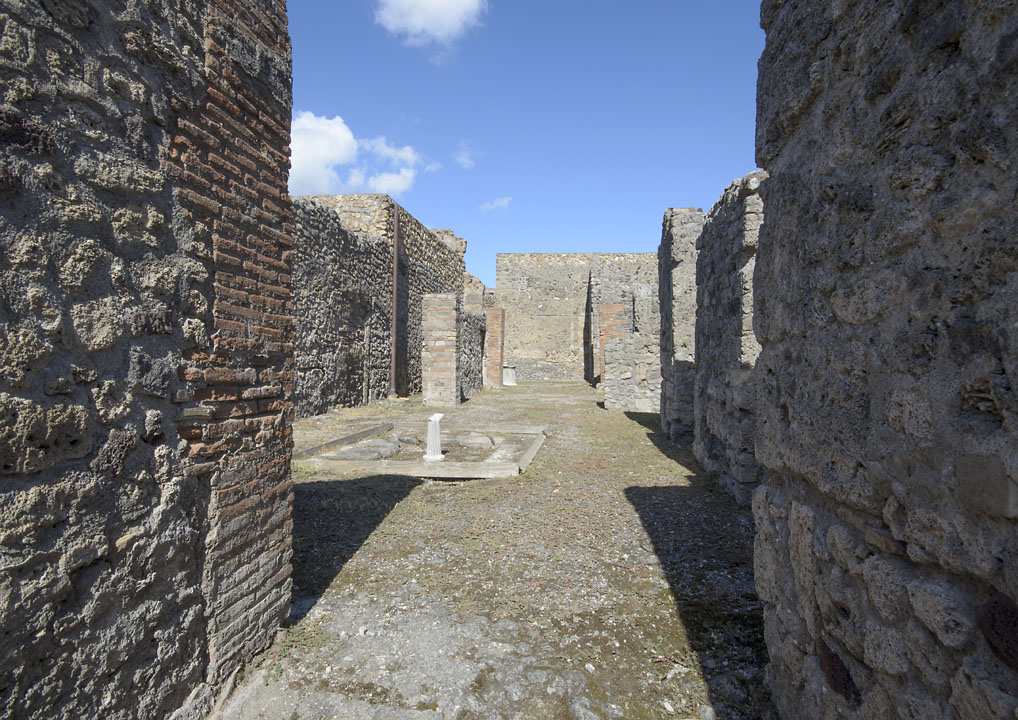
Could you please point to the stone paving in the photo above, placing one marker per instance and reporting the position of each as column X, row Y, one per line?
column 612, row 580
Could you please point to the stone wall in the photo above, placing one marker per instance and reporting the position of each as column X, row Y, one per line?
column 342, row 310
column 551, row 303
column 886, row 304
column 614, row 321
column 545, row 298
column 440, row 349
column 146, row 352
column 494, row 321
column 632, row 378
column 724, row 397
column 629, row 279
column 352, row 329
column 677, row 303
column 434, row 264
column 470, row 344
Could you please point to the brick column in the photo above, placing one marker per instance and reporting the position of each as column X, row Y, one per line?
column 493, row 346
column 438, row 354
column 614, row 323
column 230, row 162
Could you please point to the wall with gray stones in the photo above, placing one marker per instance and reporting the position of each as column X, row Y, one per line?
column 886, row 305
column 471, row 338
column 145, row 354
column 724, row 397
column 356, row 337
column 677, row 305
column 551, row 310
column 545, row 298
column 343, row 311
column 629, row 279
column 631, row 378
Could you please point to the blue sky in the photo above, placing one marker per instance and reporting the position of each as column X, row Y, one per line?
column 526, row 126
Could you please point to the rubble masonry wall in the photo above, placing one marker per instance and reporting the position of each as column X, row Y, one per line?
column 146, row 352
column 552, row 321
column 886, row 305
column 545, row 301
column 470, row 354
column 677, row 306
column 724, row 395
column 342, row 310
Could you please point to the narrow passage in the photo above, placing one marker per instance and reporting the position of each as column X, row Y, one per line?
column 612, row 580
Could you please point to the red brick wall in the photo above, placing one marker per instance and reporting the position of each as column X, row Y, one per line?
column 438, row 356
column 614, row 323
column 230, row 157
column 493, row 346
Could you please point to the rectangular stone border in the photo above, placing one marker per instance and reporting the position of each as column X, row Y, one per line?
column 445, row 470
column 340, row 442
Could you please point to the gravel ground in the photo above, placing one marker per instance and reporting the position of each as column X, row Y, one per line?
column 612, row 580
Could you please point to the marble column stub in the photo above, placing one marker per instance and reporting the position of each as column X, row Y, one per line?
column 434, row 453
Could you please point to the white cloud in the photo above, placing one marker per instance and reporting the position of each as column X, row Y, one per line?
column 320, row 146
column 356, row 178
column 422, row 22
column 392, row 183
column 465, row 155
column 405, row 155
column 317, row 146
column 499, row 203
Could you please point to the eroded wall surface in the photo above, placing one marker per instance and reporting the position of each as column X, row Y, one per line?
column 347, row 334
column 677, row 305
column 146, row 352
column 629, row 279
column 471, row 342
column 545, row 298
column 886, row 301
column 440, row 355
column 434, row 264
column 494, row 325
column 724, row 395
column 342, row 309
column 551, row 305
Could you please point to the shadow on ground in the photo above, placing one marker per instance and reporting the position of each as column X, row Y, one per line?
column 704, row 543
column 331, row 520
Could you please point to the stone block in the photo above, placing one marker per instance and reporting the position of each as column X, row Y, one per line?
column 877, row 400
column 984, row 486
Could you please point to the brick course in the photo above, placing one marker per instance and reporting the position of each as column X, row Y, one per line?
column 148, row 499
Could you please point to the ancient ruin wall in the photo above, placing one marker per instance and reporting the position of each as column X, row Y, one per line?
column 433, row 266
column 886, row 302
column 551, row 301
column 629, row 279
column 428, row 262
column 677, row 302
column 440, row 354
column 342, row 311
column 470, row 341
column 145, row 392
column 724, row 396
column 545, row 301
column 494, row 349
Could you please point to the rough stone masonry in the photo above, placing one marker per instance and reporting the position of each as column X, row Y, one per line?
column 552, row 319
column 362, row 266
column 724, row 392
column 677, row 307
column 886, row 294
column 145, row 352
